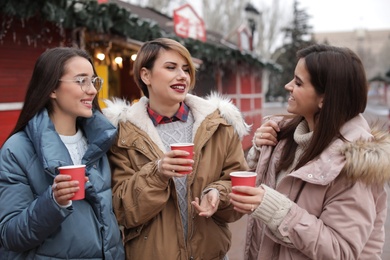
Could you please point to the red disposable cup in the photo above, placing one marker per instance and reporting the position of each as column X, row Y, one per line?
column 77, row 173
column 243, row 178
column 188, row 147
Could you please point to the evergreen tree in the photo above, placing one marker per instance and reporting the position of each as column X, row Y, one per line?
column 297, row 36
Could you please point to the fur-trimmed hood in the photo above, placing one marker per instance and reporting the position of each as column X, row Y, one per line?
column 365, row 156
column 368, row 160
column 119, row 110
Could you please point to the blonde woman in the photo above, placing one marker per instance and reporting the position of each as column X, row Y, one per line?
column 165, row 214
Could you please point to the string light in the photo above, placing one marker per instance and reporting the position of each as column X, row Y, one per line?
column 100, row 56
column 118, row 60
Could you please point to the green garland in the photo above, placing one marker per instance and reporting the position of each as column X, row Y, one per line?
column 111, row 19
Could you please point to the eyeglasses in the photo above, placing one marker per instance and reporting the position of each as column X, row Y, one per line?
column 86, row 82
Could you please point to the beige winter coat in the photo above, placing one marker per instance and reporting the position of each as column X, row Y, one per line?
column 340, row 200
column 147, row 205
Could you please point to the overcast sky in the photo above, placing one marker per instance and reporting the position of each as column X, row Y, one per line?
column 347, row 15
column 338, row 15
column 329, row 15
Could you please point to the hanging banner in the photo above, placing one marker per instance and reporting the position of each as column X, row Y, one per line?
column 188, row 24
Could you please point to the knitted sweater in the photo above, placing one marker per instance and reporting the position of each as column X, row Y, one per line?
column 275, row 205
column 179, row 132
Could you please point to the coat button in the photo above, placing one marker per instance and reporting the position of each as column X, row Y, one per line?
column 310, row 175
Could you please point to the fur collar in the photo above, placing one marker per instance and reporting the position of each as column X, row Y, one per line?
column 365, row 156
column 368, row 160
column 119, row 110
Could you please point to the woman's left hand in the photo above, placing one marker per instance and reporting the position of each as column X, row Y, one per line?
column 209, row 204
column 249, row 199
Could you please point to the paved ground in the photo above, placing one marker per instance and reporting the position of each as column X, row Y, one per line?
column 373, row 114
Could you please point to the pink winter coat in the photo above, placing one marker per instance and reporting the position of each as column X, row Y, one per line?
column 333, row 216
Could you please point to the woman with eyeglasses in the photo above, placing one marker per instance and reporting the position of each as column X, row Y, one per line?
column 60, row 124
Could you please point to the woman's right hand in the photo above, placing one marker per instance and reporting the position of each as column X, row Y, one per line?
column 266, row 134
column 64, row 189
column 249, row 200
column 170, row 164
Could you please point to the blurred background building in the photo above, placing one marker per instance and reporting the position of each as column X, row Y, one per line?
column 244, row 50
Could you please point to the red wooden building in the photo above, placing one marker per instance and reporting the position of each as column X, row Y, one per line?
column 23, row 42
column 19, row 49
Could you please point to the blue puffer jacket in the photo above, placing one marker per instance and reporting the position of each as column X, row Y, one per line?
column 32, row 225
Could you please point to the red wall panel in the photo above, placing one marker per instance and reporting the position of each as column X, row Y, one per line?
column 8, row 120
column 246, row 86
column 20, row 46
column 18, row 53
column 229, row 82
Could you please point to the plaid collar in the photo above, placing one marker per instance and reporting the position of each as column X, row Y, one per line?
column 181, row 114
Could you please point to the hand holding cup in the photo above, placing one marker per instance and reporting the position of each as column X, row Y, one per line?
column 188, row 147
column 246, row 197
column 69, row 184
column 243, row 178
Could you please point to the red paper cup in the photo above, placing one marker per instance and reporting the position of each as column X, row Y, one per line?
column 188, row 147
column 243, row 178
column 77, row 172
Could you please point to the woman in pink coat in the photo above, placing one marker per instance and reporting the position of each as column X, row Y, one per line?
column 322, row 172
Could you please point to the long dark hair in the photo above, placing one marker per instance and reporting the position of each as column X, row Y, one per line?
column 48, row 69
column 338, row 74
